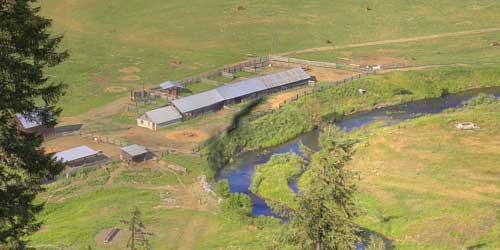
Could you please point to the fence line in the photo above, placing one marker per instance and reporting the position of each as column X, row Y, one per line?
column 284, row 59
column 247, row 65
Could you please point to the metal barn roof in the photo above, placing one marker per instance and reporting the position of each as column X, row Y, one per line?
column 74, row 154
column 170, row 84
column 241, row 88
column 135, row 150
column 284, row 77
column 162, row 115
column 197, row 101
column 257, row 84
column 29, row 121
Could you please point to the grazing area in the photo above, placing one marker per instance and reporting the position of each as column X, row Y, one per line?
column 425, row 193
column 181, row 215
column 237, row 149
column 139, row 44
column 465, row 50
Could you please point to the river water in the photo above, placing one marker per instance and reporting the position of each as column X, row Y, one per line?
column 240, row 173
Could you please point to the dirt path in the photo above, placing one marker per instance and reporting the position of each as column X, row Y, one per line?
column 392, row 41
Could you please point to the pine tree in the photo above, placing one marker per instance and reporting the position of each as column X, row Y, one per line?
column 138, row 234
column 26, row 50
column 324, row 218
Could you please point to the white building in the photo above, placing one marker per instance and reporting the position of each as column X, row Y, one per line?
column 159, row 118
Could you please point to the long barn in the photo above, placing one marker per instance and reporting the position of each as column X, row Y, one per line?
column 217, row 98
column 240, row 91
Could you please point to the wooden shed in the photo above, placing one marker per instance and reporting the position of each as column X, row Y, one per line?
column 135, row 153
column 79, row 156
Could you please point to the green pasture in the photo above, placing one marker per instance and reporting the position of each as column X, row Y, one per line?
column 469, row 49
column 104, row 37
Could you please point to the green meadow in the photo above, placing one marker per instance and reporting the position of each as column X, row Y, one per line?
column 168, row 40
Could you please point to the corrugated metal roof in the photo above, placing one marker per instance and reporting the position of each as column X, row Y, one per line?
column 74, row 154
column 170, row 84
column 241, row 88
column 162, row 115
column 283, row 78
column 29, row 121
column 238, row 89
column 197, row 101
column 135, row 150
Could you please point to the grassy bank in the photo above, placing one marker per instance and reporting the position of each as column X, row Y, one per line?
column 295, row 118
column 270, row 180
column 433, row 194
column 171, row 40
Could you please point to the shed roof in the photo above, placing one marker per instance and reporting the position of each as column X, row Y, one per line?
column 74, row 154
column 197, row 101
column 170, row 84
column 241, row 88
column 238, row 89
column 135, row 150
column 30, row 120
column 162, row 115
column 284, row 77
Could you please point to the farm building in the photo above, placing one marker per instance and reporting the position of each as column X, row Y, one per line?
column 200, row 103
column 240, row 91
column 159, row 118
column 79, row 156
column 215, row 99
column 168, row 90
column 32, row 123
column 135, row 153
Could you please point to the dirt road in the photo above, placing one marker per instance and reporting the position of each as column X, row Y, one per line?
column 392, row 41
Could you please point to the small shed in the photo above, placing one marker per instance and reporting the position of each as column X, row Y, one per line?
column 135, row 153
column 159, row 118
column 168, row 90
column 79, row 156
column 32, row 123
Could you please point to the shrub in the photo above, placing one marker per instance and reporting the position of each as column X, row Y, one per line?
column 480, row 99
column 222, row 188
column 238, row 204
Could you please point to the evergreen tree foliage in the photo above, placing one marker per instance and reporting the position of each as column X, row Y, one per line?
column 324, row 218
column 26, row 50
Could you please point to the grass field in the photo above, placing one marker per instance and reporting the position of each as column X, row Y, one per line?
column 81, row 210
column 434, row 194
column 107, row 38
column 270, row 180
column 470, row 49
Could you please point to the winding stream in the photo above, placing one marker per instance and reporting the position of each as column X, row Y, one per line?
column 240, row 173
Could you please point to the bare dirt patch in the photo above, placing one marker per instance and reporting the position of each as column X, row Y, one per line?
column 131, row 78
column 130, row 70
column 67, row 142
column 378, row 60
column 116, row 89
column 274, row 101
column 189, row 196
column 330, row 75
column 188, row 135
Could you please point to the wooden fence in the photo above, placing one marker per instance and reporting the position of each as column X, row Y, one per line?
column 301, row 62
column 254, row 63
